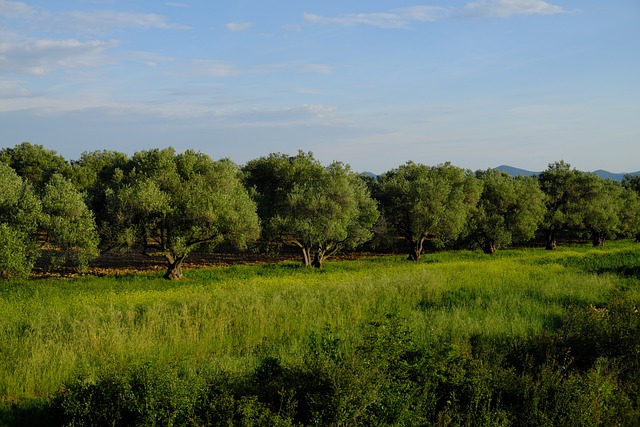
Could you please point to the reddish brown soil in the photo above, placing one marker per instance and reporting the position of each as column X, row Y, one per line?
column 112, row 263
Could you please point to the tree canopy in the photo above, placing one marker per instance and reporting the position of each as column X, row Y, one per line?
column 561, row 185
column 172, row 204
column 510, row 210
column 34, row 163
column 427, row 202
column 316, row 208
column 601, row 204
column 68, row 224
column 20, row 216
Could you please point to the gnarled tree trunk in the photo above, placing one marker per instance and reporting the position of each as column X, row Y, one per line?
column 174, row 267
column 311, row 258
column 318, row 258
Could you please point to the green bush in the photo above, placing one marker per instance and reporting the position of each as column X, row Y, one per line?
column 383, row 378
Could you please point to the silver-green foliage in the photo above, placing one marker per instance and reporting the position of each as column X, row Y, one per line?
column 174, row 203
column 20, row 214
column 319, row 209
column 424, row 202
column 68, row 223
column 510, row 210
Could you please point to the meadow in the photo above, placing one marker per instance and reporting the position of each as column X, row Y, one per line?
column 524, row 337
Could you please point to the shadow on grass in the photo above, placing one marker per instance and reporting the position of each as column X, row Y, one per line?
column 27, row 413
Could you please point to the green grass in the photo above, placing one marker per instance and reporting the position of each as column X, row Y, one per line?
column 229, row 319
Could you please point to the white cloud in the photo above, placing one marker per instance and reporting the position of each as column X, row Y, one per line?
column 15, row 9
column 238, row 26
column 506, row 8
column 275, row 116
column 395, row 18
column 404, row 17
column 94, row 22
column 13, row 89
column 39, row 57
column 104, row 20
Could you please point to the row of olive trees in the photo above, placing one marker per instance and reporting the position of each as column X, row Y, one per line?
column 171, row 204
column 492, row 209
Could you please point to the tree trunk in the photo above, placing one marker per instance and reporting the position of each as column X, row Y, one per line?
column 598, row 239
column 550, row 240
column 416, row 251
column 306, row 256
column 174, row 268
column 489, row 247
column 318, row 257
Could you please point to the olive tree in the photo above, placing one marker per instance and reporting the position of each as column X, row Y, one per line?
column 601, row 202
column 510, row 210
column 427, row 202
column 67, row 224
column 172, row 204
column 20, row 215
column 563, row 187
column 318, row 209
column 34, row 163
column 630, row 210
column 93, row 174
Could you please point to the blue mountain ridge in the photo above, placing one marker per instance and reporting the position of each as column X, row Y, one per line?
column 523, row 172
column 601, row 173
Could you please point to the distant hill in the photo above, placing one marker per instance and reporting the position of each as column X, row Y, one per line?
column 370, row 175
column 515, row 171
column 601, row 173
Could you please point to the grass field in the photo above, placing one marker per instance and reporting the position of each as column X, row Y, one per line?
column 57, row 333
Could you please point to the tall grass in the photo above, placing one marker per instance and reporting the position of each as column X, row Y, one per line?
column 229, row 319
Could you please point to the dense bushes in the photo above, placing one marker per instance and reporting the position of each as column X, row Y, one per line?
column 586, row 373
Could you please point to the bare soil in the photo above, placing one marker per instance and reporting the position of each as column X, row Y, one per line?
column 114, row 263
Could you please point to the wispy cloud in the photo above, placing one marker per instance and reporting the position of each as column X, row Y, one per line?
column 215, row 68
column 95, row 22
column 175, row 4
column 404, row 17
column 506, row 8
column 105, row 20
column 15, row 9
column 38, row 57
column 238, row 26
column 274, row 116
column 395, row 18
column 13, row 89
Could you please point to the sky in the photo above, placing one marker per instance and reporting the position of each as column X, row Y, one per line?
column 373, row 84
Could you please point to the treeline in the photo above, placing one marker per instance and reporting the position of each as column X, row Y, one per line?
column 170, row 204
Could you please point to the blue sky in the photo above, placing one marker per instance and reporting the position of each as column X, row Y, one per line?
column 371, row 83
